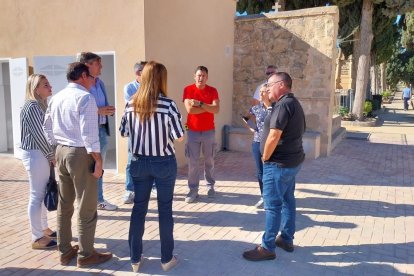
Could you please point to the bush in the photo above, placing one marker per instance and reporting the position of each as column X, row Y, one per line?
column 386, row 94
column 367, row 108
column 343, row 110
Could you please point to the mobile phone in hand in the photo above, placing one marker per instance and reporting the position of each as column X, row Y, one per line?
column 250, row 123
column 245, row 119
column 92, row 168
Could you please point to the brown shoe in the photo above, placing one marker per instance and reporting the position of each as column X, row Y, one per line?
column 68, row 256
column 44, row 243
column 280, row 242
column 259, row 254
column 94, row 258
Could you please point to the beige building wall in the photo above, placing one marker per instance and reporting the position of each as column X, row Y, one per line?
column 183, row 34
column 31, row 28
column 40, row 27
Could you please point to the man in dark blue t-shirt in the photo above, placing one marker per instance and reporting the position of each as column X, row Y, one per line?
column 282, row 155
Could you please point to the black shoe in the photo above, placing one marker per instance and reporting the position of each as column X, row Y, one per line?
column 52, row 236
column 259, row 254
column 280, row 242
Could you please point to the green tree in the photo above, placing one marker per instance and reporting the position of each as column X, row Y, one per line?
column 400, row 66
column 254, row 6
column 381, row 12
column 388, row 8
column 304, row 4
column 408, row 32
column 370, row 10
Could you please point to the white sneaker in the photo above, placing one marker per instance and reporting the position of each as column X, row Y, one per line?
column 129, row 197
column 167, row 266
column 154, row 191
column 259, row 204
column 106, row 205
column 135, row 266
column 191, row 196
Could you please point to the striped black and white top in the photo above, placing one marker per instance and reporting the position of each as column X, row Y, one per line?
column 154, row 137
column 31, row 125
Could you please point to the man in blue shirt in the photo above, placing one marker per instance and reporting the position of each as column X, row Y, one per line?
column 406, row 95
column 93, row 62
column 132, row 87
column 129, row 90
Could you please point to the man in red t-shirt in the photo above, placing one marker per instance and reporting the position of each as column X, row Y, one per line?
column 201, row 102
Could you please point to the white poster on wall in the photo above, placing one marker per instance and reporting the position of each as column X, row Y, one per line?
column 18, row 77
column 54, row 68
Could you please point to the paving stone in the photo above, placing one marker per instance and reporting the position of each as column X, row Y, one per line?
column 355, row 215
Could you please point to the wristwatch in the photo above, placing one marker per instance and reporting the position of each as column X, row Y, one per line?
column 201, row 104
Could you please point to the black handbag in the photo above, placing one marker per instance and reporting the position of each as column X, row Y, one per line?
column 52, row 194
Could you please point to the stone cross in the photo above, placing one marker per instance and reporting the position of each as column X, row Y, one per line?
column 277, row 6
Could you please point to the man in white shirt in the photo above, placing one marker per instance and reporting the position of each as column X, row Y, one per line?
column 70, row 124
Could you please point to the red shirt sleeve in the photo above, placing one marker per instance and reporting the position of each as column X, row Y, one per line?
column 187, row 93
column 215, row 95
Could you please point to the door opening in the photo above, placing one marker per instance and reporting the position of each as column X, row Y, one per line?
column 6, row 135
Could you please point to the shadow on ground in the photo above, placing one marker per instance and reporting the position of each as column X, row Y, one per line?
column 362, row 259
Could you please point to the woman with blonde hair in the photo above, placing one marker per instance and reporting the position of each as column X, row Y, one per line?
column 37, row 158
column 258, row 113
column 152, row 122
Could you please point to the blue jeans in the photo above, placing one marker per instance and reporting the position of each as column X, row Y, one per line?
column 103, row 141
column 279, row 203
column 259, row 164
column 145, row 170
column 406, row 103
column 129, row 185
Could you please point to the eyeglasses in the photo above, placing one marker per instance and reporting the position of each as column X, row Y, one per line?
column 269, row 73
column 270, row 84
column 90, row 76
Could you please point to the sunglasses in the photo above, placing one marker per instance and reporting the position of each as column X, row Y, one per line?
column 270, row 84
column 269, row 73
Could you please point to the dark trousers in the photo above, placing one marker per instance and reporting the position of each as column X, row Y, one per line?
column 146, row 170
column 406, row 103
column 259, row 164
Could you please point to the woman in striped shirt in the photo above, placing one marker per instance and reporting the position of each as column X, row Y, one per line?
column 37, row 157
column 152, row 122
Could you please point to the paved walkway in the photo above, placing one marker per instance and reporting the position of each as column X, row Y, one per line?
column 355, row 215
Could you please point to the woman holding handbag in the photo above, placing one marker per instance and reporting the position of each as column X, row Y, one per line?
column 152, row 122
column 37, row 158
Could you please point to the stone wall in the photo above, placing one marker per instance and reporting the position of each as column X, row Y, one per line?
column 302, row 43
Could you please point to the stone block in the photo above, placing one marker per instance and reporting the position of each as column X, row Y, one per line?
column 240, row 139
column 301, row 43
